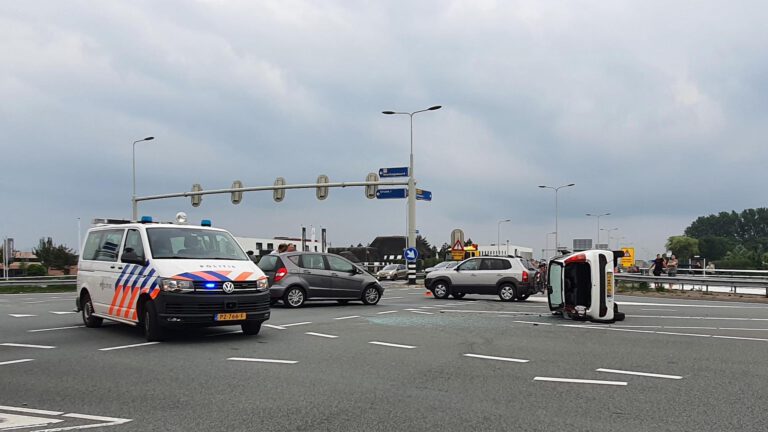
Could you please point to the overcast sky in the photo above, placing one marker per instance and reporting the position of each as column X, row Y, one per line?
column 655, row 109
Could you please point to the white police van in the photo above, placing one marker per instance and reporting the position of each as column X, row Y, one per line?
column 160, row 275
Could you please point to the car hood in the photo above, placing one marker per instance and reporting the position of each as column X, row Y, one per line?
column 207, row 270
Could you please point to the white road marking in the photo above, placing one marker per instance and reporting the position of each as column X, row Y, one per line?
column 391, row 345
column 62, row 313
column 739, row 338
column 27, row 346
column 15, row 361
column 274, row 326
column 21, row 315
column 55, row 328
column 30, row 410
column 321, row 335
column 663, row 333
column 16, row 421
column 507, row 359
column 711, row 306
column 427, row 307
column 128, row 346
column 698, row 317
column 532, row 322
column 683, row 334
column 580, row 381
column 391, row 298
column 96, row 418
column 663, row 310
column 416, row 293
column 296, row 324
column 489, row 312
column 257, row 360
column 667, row 327
column 347, row 317
column 422, row 312
column 623, row 372
column 385, row 312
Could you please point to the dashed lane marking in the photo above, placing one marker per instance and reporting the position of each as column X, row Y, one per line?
column 487, row 357
column 422, row 312
column 391, row 298
column 55, row 328
column 258, row 360
column 21, row 315
column 18, row 345
column 698, row 317
column 392, row 345
column 322, row 335
column 385, row 312
column 347, row 317
column 580, row 381
column 530, row 322
column 663, row 333
column 296, row 324
column 646, row 374
column 15, row 361
column 661, row 310
column 62, row 313
column 128, row 346
column 274, row 326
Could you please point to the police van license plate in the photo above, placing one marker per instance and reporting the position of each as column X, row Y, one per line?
column 609, row 285
column 230, row 316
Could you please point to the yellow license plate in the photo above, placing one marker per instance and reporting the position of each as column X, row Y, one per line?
column 609, row 285
column 230, row 316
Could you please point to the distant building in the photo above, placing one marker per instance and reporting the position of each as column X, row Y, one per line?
column 263, row 246
column 504, row 250
column 382, row 249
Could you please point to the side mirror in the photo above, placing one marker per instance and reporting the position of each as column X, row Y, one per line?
column 130, row 257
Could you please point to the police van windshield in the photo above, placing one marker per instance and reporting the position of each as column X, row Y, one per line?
column 186, row 243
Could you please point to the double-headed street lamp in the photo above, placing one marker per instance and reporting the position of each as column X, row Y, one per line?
column 411, row 189
column 556, row 210
column 598, row 216
column 608, row 230
column 133, row 197
column 498, row 235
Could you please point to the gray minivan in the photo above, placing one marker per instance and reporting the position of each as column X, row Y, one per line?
column 297, row 277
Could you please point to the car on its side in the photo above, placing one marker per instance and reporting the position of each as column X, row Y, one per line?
column 510, row 278
column 298, row 277
column 442, row 266
column 393, row 272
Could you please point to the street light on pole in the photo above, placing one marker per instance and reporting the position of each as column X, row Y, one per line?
column 556, row 210
column 608, row 230
column 498, row 235
column 133, row 197
column 546, row 242
column 598, row 216
column 411, row 190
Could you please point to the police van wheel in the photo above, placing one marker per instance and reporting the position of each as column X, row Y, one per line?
column 440, row 290
column 88, row 319
column 152, row 330
column 251, row 328
column 507, row 292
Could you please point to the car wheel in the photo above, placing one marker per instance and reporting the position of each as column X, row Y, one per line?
column 152, row 330
column 88, row 319
column 523, row 297
column 440, row 290
column 294, row 297
column 371, row 295
column 251, row 328
column 342, row 302
column 458, row 296
column 507, row 292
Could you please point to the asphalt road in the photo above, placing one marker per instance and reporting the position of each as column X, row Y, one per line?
column 411, row 363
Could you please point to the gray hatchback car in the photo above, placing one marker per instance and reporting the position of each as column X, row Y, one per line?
column 297, row 277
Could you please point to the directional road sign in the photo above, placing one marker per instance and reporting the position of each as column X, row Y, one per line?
column 411, row 254
column 391, row 193
column 393, row 172
column 423, row 195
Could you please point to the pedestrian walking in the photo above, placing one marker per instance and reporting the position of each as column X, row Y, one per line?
column 658, row 265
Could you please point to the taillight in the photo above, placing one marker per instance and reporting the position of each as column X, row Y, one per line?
column 281, row 272
column 576, row 259
column 525, row 276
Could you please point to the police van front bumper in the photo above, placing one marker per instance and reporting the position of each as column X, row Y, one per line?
column 175, row 309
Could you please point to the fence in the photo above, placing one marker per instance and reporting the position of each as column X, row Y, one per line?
column 748, row 285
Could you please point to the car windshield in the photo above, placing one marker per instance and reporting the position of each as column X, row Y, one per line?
column 191, row 243
column 390, row 267
column 452, row 264
column 442, row 264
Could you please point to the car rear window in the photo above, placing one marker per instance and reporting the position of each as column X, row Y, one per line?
column 270, row 263
column 527, row 264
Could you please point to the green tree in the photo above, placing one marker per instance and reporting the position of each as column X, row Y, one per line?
column 468, row 242
column 683, row 247
column 53, row 256
column 36, row 270
column 423, row 246
column 444, row 252
column 714, row 248
column 739, row 258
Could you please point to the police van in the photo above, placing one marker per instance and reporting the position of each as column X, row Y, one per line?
column 162, row 275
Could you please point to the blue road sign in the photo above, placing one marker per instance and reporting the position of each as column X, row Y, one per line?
column 411, row 254
column 391, row 193
column 423, row 195
column 393, row 172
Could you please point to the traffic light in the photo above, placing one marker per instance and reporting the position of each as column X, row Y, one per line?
column 279, row 194
column 370, row 190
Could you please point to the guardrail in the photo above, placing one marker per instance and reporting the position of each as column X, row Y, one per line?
column 39, row 281
column 705, row 283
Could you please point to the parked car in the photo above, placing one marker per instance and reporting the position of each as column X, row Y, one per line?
column 393, row 272
column 511, row 278
column 441, row 266
column 298, row 277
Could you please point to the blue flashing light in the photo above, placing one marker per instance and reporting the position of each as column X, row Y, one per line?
column 205, row 222
column 146, row 219
column 210, row 285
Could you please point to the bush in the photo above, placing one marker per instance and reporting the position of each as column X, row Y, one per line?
column 36, row 270
column 643, row 286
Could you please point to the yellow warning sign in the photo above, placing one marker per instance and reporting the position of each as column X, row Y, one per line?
column 628, row 260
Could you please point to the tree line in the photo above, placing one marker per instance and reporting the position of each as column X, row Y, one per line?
column 729, row 239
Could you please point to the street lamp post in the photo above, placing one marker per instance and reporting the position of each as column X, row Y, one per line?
column 546, row 241
column 498, row 235
column 411, row 191
column 608, row 230
column 133, row 197
column 556, row 210
column 598, row 216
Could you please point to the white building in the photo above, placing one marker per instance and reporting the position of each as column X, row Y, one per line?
column 504, row 250
column 261, row 246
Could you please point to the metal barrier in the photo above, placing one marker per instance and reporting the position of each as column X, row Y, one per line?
column 39, row 281
column 706, row 282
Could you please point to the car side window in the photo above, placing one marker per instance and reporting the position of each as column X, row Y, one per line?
column 296, row 259
column 472, row 264
column 92, row 243
column 133, row 243
column 312, row 261
column 505, row 264
column 339, row 264
column 268, row 262
column 110, row 242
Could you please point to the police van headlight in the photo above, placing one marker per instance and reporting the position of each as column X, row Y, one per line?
column 262, row 284
column 175, row 285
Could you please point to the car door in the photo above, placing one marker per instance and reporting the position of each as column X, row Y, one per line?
column 133, row 277
column 465, row 277
column 315, row 272
column 491, row 271
column 108, row 270
column 555, row 285
column 347, row 282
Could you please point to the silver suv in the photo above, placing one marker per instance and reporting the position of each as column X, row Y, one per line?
column 511, row 278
